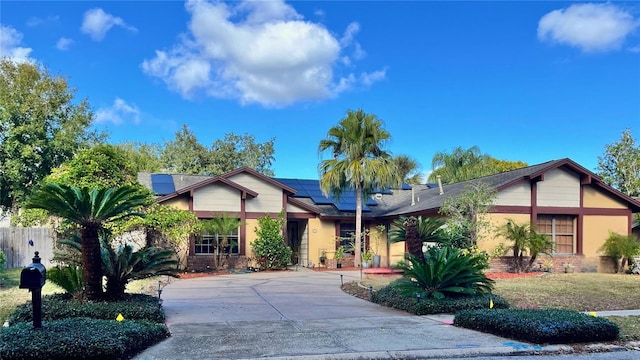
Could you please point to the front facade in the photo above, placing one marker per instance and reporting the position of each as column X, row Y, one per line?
column 564, row 200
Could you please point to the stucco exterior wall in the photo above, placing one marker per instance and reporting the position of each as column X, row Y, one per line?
column 216, row 197
column 560, row 188
column 596, row 231
column 180, row 203
column 269, row 197
column 322, row 236
column 593, row 198
column 516, row 195
column 251, row 236
column 489, row 239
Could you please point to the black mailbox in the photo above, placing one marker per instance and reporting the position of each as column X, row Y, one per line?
column 34, row 275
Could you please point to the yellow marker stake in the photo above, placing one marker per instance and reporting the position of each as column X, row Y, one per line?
column 491, row 304
column 119, row 317
column 593, row 313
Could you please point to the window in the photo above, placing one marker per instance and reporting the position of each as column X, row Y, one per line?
column 347, row 235
column 560, row 229
column 212, row 244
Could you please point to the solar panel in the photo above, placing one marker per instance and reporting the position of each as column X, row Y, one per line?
column 162, row 184
column 311, row 189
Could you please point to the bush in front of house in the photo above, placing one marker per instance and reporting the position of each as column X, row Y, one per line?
column 392, row 297
column 79, row 338
column 269, row 248
column 541, row 326
column 62, row 306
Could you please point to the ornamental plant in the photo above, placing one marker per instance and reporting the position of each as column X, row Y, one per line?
column 269, row 247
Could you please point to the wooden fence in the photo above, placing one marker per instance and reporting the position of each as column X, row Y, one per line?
column 15, row 243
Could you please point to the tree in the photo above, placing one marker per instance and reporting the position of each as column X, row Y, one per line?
column 142, row 157
column 467, row 164
column 619, row 166
column 465, row 212
column 90, row 210
column 221, row 226
column 422, row 229
column 269, row 248
column 359, row 162
column 40, row 128
column 525, row 239
column 185, row 155
column 621, row 248
column 409, row 169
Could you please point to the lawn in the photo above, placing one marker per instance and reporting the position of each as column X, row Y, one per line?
column 11, row 296
column 579, row 291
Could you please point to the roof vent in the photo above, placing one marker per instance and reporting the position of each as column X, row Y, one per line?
column 440, row 184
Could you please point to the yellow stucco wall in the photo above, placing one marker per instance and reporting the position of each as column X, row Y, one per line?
column 489, row 239
column 592, row 198
column 322, row 235
column 596, row 231
column 178, row 203
column 251, row 225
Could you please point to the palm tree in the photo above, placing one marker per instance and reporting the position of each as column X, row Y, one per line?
column 525, row 239
column 90, row 210
column 359, row 162
column 461, row 164
column 222, row 226
column 409, row 169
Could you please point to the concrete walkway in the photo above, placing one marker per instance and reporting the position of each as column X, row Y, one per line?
column 305, row 315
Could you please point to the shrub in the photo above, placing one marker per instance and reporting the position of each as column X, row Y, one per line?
column 392, row 297
column 445, row 272
column 69, row 278
column 79, row 338
column 269, row 247
column 61, row 306
column 3, row 260
column 540, row 326
column 621, row 248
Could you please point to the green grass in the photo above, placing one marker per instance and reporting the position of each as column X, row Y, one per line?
column 629, row 327
column 12, row 296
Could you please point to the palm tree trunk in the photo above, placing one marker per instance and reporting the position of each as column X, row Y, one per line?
column 91, row 263
column 358, row 241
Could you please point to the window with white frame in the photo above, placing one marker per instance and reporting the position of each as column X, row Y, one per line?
column 210, row 244
column 560, row 229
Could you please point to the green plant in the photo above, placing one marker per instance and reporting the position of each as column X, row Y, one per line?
column 79, row 338
column 539, row 326
column 269, row 247
column 67, row 277
column 390, row 296
column 61, row 306
column 3, row 261
column 339, row 254
column 499, row 251
column 222, row 226
column 621, row 248
column 367, row 255
column 445, row 272
column 525, row 239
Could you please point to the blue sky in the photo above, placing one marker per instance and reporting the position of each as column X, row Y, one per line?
column 530, row 81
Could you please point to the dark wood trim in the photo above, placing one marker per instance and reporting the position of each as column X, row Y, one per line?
column 506, row 209
column 534, row 201
column 211, row 214
column 303, row 205
column 293, row 215
column 336, row 225
column 243, row 228
column 559, row 210
column 190, row 201
column 579, row 236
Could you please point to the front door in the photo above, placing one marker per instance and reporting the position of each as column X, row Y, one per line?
column 293, row 240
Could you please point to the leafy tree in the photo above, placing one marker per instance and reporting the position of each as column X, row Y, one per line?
column 91, row 210
column 409, row 169
column 525, row 239
column 269, row 248
column 222, row 226
column 235, row 151
column 445, row 272
column 142, row 157
column 466, row 164
column 186, row 155
column 464, row 212
column 358, row 162
column 621, row 248
column 619, row 166
column 40, row 128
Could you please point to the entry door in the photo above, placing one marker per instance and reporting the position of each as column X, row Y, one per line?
column 293, row 240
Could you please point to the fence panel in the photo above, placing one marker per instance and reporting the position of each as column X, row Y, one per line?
column 14, row 242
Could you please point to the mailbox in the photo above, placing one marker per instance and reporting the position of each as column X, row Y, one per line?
column 34, row 275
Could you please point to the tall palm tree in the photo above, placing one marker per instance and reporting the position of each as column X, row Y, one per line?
column 90, row 210
column 409, row 169
column 461, row 164
column 359, row 162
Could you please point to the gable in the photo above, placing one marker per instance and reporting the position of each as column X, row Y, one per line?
column 216, row 197
column 515, row 195
column 270, row 198
column 560, row 188
column 596, row 198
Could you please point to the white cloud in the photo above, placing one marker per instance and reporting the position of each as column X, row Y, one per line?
column 36, row 21
column 118, row 113
column 255, row 51
column 64, row 44
column 96, row 23
column 590, row 27
column 10, row 40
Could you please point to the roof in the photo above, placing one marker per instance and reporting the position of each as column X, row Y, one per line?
column 408, row 200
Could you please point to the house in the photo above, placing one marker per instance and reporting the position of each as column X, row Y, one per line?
column 566, row 201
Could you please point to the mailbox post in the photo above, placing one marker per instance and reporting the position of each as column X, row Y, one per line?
column 33, row 278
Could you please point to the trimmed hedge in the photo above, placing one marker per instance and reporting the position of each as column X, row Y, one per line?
column 79, row 338
column 541, row 326
column 63, row 306
column 391, row 297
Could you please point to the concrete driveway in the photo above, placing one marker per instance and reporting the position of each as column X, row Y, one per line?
column 305, row 315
